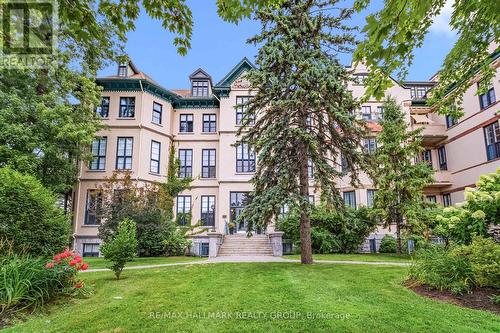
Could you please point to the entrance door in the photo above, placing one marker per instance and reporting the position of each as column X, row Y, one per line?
column 373, row 245
column 238, row 201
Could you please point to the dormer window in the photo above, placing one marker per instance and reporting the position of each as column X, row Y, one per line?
column 122, row 70
column 200, row 88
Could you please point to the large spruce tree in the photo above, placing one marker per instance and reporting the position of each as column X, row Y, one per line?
column 304, row 111
column 397, row 172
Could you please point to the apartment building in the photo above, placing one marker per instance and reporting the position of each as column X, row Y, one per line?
column 143, row 119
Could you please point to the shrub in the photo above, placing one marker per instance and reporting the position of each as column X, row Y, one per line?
column 442, row 269
column 175, row 243
column 29, row 282
column 459, row 224
column 331, row 231
column 484, row 258
column 29, row 217
column 495, row 299
column 121, row 246
column 388, row 244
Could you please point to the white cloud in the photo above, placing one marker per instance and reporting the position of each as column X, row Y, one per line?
column 441, row 24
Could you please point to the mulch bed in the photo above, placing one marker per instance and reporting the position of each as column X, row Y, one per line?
column 478, row 298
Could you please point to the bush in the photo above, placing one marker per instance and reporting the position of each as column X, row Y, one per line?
column 459, row 224
column 29, row 282
column 442, row 269
column 29, row 217
column 388, row 244
column 484, row 258
column 331, row 231
column 175, row 244
column 121, row 247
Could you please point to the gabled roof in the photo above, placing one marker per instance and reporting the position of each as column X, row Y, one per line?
column 243, row 65
column 200, row 74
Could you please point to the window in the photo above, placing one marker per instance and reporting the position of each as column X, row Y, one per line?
column 154, row 165
column 343, row 163
column 238, row 201
column 350, row 199
column 93, row 208
column 208, row 210
column 184, row 209
column 380, row 112
column 431, row 198
column 208, row 163
column 360, row 78
column 283, row 211
column 446, row 199
column 127, row 107
column 99, row 154
column 487, row 99
column 122, row 70
column 124, row 153
column 103, row 109
column 450, row 121
column 310, row 169
column 366, row 112
column 309, row 122
column 157, row 113
column 185, row 163
column 370, row 145
column 90, row 250
column 370, row 197
column 492, row 138
column 442, row 158
column 209, row 123
column 241, row 110
column 427, row 157
column 200, row 89
column 418, row 92
column 245, row 158
column 312, row 199
column 186, row 123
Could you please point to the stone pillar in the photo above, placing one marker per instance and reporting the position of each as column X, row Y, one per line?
column 276, row 239
column 214, row 243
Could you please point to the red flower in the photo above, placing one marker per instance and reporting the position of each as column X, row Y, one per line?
column 84, row 266
column 72, row 262
column 78, row 259
column 57, row 258
column 79, row 284
column 49, row 265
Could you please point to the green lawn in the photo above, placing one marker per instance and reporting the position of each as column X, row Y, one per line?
column 102, row 263
column 346, row 298
column 357, row 257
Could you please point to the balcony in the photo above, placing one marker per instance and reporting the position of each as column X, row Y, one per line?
column 432, row 133
column 442, row 178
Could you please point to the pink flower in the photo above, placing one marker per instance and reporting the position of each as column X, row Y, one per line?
column 78, row 259
column 49, row 265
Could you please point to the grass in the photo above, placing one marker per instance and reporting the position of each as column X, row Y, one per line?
column 368, row 257
column 344, row 298
column 102, row 263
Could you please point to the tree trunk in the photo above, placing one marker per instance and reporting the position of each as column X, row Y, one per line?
column 398, row 233
column 305, row 221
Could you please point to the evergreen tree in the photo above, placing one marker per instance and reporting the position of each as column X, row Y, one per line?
column 303, row 111
column 398, row 177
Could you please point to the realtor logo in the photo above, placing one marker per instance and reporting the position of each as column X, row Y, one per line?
column 27, row 32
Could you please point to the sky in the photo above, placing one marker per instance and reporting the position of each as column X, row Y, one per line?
column 217, row 46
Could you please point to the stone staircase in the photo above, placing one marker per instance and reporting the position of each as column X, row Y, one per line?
column 241, row 245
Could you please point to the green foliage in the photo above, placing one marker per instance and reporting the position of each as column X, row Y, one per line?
column 332, row 231
column 481, row 208
column 459, row 268
column 442, row 269
column 121, row 247
column 27, row 283
column 484, row 257
column 399, row 179
column 388, row 244
column 394, row 32
column 176, row 243
column 495, row 299
column 29, row 216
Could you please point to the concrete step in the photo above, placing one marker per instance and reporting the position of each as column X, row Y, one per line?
column 241, row 245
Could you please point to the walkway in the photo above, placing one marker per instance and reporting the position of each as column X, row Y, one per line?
column 250, row 259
